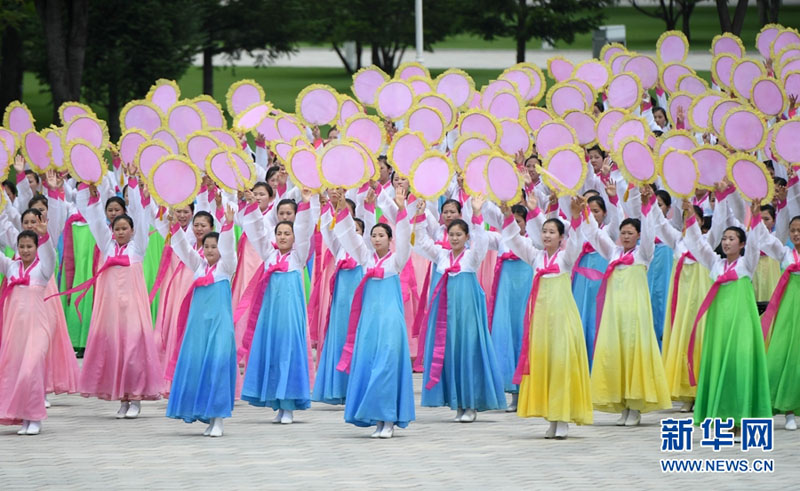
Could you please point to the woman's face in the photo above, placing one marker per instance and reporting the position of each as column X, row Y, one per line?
column 628, row 237
column 457, row 237
column 449, row 213
column 731, row 245
column 262, row 197
column 210, row 251
column 284, row 237
column 29, row 221
column 286, row 213
column 380, row 240
column 184, row 216
column 26, row 249
column 521, row 223
column 113, row 210
column 596, row 159
column 660, row 118
column 123, row 232
column 551, row 237
column 597, row 212
column 200, row 227
column 769, row 222
column 401, row 182
column 662, row 205
column 794, row 233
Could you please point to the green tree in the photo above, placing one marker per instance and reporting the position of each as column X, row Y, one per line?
column 523, row 20
column 15, row 17
column 670, row 11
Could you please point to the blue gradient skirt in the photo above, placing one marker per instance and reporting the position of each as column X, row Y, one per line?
column 513, row 290
column 658, row 276
column 585, row 292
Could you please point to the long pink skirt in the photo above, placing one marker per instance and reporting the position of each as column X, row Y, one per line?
column 23, row 356
column 121, row 361
column 62, row 367
column 248, row 265
column 166, row 331
column 159, row 326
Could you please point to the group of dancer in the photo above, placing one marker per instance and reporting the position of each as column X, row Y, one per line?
column 621, row 299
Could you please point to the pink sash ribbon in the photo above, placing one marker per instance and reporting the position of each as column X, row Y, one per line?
column 240, row 264
column 253, row 297
column 166, row 258
column 498, row 268
column 421, row 316
column 68, row 262
column 676, row 281
column 355, row 314
column 343, row 264
column 183, row 315
column 589, row 273
column 523, row 366
column 777, row 295
column 625, row 260
column 728, row 276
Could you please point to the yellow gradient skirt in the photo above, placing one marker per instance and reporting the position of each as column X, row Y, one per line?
column 694, row 285
column 558, row 386
column 627, row 371
column 766, row 277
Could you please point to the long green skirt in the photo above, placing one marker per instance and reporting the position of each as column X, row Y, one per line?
column 9, row 253
column 83, row 245
column 733, row 381
column 783, row 354
column 150, row 264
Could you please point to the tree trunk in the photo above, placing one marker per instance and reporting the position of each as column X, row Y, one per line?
column 738, row 17
column 376, row 57
column 688, row 8
column 359, row 49
column 112, row 107
column 10, row 67
column 208, row 71
column 724, row 16
column 762, row 12
column 520, row 35
column 774, row 9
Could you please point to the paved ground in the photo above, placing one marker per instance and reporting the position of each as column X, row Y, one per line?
column 83, row 446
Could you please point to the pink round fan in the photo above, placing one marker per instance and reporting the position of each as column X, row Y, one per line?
column 791, row 84
column 727, row 43
column 198, row 146
column 699, row 109
column 721, row 69
column 475, row 173
column 282, row 150
column 481, row 124
column 609, row 50
column 744, row 75
column 142, row 115
column 536, row 116
column 791, row 65
column 670, row 74
column 605, row 123
column 86, row 128
column 5, row 160
column 588, row 91
column 679, row 172
column 318, row 104
column 560, row 68
column 9, row 139
column 211, row 111
column 18, row 118
column 225, row 137
column 347, row 109
column 719, row 110
column 251, row 116
column 521, row 78
column 672, row 47
column 427, row 121
column 151, row 152
column 268, row 128
column 784, row 38
column 786, row 54
column 645, row 68
column 288, row 128
column 553, row 134
column 85, row 162
column 167, row 136
column 222, row 168
column 624, row 91
column 768, row 97
column 430, row 175
column 618, row 61
column 368, row 130
column 474, row 100
column 337, row 165
column 633, row 127
column 505, row 104
column 503, row 180
column 393, row 99
column 242, row 95
column 421, row 85
column 301, row 165
column 594, row 72
column 406, row 148
column 764, row 39
column 583, row 124
column 468, row 145
column 366, row 82
column 743, row 129
column 712, row 165
column 768, row 142
column 637, row 160
column 185, row 118
column 563, row 97
column 679, row 100
column 164, row 94
column 129, row 145
column 56, row 149
column 36, row 150
column 786, row 144
column 492, row 88
column 514, row 137
column 443, row 104
column 750, row 177
column 411, row 69
column 538, row 86
column 566, row 170
column 677, row 139
column 174, row 181
column 692, row 84
column 70, row 110
column 456, row 85
column 369, row 163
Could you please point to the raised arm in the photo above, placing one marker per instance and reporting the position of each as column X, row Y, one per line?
column 46, row 252
column 698, row 246
column 665, row 231
column 353, row 244
column 254, row 227
column 186, row 253
column 598, row 237
column 304, row 225
column 92, row 210
column 519, row 245
column 423, row 243
column 227, row 244
column 479, row 242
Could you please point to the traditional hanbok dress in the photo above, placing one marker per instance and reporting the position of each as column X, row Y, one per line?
column 203, row 369
column 380, row 386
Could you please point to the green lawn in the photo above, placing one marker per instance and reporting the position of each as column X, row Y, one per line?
column 641, row 31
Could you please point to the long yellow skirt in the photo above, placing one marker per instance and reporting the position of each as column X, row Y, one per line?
column 694, row 285
column 627, row 371
column 766, row 278
column 558, row 386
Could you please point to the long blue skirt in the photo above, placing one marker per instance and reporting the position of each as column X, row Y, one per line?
column 204, row 383
column 471, row 377
column 277, row 370
column 513, row 290
column 585, row 292
column 330, row 386
column 658, row 275
column 381, row 387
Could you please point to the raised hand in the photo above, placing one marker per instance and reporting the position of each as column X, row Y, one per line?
column 421, row 207
column 307, row 194
column 249, row 197
column 19, row 163
column 611, row 188
column 505, row 209
column 477, row 203
column 40, row 228
column 577, row 205
column 93, row 191
column 229, row 214
column 370, row 198
column 51, row 179
column 400, row 198
column 532, row 201
column 755, row 207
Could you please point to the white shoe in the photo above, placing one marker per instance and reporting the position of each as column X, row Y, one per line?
column 623, row 417
column 208, row 430
column 34, row 427
column 634, row 418
column 551, row 431
column 216, row 428
column 378, row 429
column 512, row 407
column 24, row 429
column 134, row 410
column 46, row 403
column 123, row 408
column 278, row 417
column 561, row 430
column 287, row 418
column 388, row 430
column 469, row 416
column 791, row 424
column 459, row 414
column 687, row 407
